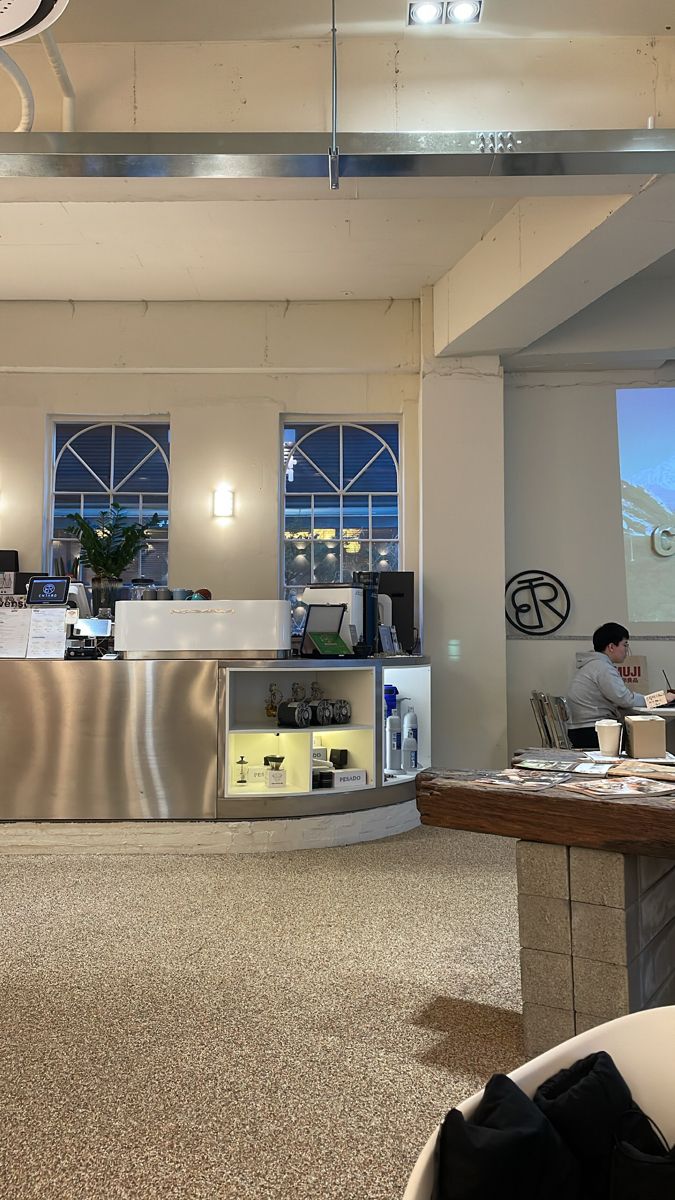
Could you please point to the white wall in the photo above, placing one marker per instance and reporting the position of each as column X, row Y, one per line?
column 563, row 514
column 226, row 375
column 410, row 84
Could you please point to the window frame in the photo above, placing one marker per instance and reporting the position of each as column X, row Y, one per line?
column 84, row 424
column 355, row 422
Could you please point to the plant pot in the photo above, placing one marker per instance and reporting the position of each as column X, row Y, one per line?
column 105, row 592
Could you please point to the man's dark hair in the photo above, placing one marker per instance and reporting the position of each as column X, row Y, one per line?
column 608, row 634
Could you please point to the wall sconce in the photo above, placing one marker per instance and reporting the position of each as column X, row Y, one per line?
column 223, row 502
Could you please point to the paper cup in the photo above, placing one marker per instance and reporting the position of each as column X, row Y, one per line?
column 609, row 736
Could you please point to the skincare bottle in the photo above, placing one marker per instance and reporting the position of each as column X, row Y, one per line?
column 410, row 725
column 409, row 754
column 393, row 759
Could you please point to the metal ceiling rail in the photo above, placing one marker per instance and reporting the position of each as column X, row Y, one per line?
column 480, row 153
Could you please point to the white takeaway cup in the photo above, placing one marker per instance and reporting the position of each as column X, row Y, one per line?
column 609, row 735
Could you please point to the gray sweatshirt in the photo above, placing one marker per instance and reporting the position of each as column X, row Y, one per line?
column 598, row 692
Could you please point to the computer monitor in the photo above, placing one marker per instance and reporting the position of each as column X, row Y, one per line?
column 400, row 586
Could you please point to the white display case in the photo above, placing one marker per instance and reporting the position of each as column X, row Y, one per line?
column 412, row 677
column 247, row 731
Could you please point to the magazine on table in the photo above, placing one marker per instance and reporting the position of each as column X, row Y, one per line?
column 531, row 781
column 625, row 786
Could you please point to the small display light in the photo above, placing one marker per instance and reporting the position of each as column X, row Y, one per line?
column 463, row 12
column 425, row 13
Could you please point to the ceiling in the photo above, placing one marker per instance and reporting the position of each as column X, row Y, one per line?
column 225, row 20
column 122, row 239
column 320, row 248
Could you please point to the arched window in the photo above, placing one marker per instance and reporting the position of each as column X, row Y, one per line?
column 97, row 463
column 341, row 502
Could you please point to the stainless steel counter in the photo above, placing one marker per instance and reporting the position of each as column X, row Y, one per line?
column 142, row 740
column 107, row 740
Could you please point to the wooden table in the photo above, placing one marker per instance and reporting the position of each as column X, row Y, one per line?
column 596, row 896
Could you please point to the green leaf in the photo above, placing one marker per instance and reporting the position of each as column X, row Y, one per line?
column 110, row 544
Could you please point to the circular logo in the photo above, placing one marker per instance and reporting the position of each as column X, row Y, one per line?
column 536, row 603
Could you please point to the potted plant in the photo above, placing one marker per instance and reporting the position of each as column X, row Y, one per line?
column 108, row 546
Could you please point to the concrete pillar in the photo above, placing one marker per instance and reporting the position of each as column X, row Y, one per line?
column 462, row 553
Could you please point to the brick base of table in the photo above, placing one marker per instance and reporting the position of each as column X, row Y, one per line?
column 596, row 897
column 597, row 938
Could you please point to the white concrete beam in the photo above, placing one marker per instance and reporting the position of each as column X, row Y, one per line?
column 547, row 259
column 634, row 326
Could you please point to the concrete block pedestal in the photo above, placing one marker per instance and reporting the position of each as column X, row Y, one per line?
column 597, row 937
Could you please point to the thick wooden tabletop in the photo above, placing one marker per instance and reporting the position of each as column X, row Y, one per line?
column 629, row 824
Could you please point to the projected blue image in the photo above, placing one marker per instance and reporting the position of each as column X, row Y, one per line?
column 646, row 427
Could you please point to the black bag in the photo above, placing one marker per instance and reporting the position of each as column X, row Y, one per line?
column 637, row 1175
column 507, row 1151
column 589, row 1104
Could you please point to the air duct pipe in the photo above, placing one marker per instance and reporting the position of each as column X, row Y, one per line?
column 23, row 87
column 59, row 67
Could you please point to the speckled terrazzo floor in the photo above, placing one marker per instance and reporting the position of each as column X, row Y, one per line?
column 258, row 1027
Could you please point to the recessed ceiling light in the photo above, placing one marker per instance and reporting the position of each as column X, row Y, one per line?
column 425, row 13
column 21, row 19
column 463, row 12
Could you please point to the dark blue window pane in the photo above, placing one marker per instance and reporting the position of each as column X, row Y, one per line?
column 327, row 518
column 306, row 478
column 323, row 448
column 151, row 477
column 72, row 476
column 390, row 434
column 155, row 504
column 385, row 516
column 359, row 448
column 130, row 504
column 299, row 515
column 380, row 477
column 64, row 432
column 94, row 506
column 158, row 433
column 63, row 505
column 131, row 447
column 355, row 516
column 93, row 447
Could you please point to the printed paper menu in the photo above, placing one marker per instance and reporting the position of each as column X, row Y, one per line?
column 47, row 637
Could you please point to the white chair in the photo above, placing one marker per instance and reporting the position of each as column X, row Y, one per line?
column 642, row 1045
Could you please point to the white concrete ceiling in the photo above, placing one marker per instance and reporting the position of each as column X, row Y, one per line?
column 225, row 20
column 333, row 247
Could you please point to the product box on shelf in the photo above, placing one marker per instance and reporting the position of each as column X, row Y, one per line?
column 319, row 754
column 275, row 777
column 257, row 774
column 350, row 778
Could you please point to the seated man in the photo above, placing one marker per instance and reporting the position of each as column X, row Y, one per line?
column 597, row 691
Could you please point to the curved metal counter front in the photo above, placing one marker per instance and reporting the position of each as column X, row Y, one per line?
column 148, row 739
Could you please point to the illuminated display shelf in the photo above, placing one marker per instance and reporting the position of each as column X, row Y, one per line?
column 248, row 733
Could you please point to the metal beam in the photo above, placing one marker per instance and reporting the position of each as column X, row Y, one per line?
column 495, row 153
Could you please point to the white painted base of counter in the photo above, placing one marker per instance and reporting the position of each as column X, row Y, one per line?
column 206, row 837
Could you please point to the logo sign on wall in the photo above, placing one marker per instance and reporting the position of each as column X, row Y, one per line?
column 536, row 603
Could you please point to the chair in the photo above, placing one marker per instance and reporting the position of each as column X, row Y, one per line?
column 552, row 717
column 642, row 1045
